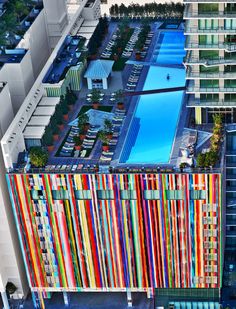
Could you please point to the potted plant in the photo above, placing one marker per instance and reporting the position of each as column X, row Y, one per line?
column 65, row 112
column 48, row 139
column 54, row 127
column 182, row 166
column 78, row 142
column 102, row 135
column 10, row 288
column 64, row 107
column 83, row 122
column 108, row 128
column 38, row 156
column 95, row 98
column 59, row 116
column 119, row 97
column 70, row 98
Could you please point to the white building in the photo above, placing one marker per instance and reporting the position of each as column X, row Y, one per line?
column 19, row 69
column 11, row 262
column 11, row 266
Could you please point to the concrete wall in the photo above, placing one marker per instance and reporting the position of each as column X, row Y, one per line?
column 20, row 78
column 37, row 41
column 57, row 19
column 11, row 262
column 92, row 13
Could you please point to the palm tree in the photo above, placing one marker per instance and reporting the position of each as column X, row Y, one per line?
column 102, row 135
column 95, row 97
column 108, row 127
column 83, row 120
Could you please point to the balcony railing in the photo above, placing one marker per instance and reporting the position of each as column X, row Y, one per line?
column 211, row 14
column 208, row 62
column 210, row 89
column 203, row 103
column 196, row 30
column 200, row 75
column 230, row 47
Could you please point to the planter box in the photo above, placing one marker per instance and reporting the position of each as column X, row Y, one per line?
column 50, row 148
column 105, row 147
column 55, row 137
column 66, row 117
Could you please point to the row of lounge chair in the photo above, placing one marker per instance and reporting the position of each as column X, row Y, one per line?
column 134, row 77
column 117, row 123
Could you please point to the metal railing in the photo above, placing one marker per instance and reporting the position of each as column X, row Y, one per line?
column 204, row 103
column 226, row 46
column 210, row 89
column 231, row 75
column 188, row 13
column 208, row 61
column 217, row 30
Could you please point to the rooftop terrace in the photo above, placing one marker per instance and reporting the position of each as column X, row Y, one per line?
column 68, row 55
column 13, row 26
column 104, row 141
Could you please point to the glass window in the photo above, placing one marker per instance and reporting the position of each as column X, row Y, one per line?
column 151, row 194
column 83, row 194
column 174, row 194
column 198, row 194
column 38, row 195
column 60, row 195
column 105, row 194
column 128, row 194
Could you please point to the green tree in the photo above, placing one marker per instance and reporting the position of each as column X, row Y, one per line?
column 38, row 156
column 201, row 160
column 102, row 135
column 107, row 125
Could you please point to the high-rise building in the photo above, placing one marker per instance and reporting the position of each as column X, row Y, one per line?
column 22, row 58
column 210, row 61
column 87, row 222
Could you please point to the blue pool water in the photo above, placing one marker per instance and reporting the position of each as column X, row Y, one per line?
column 170, row 48
column 156, row 115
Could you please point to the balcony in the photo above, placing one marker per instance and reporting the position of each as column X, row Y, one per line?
column 200, row 75
column 193, row 102
column 189, row 14
column 208, row 62
column 229, row 47
column 218, row 30
column 195, row 89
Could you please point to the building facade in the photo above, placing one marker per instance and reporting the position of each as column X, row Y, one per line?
column 119, row 231
column 210, row 29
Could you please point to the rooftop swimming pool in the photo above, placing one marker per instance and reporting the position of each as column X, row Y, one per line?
column 152, row 130
column 169, row 48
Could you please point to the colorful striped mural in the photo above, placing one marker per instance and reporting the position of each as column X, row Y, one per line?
column 120, row 230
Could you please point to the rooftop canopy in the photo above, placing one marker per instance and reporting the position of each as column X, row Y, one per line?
column 39, row 121
column 32, row 132
column 49, row 101
column 99, row 69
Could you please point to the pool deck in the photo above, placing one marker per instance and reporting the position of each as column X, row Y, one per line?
column 119, row 81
